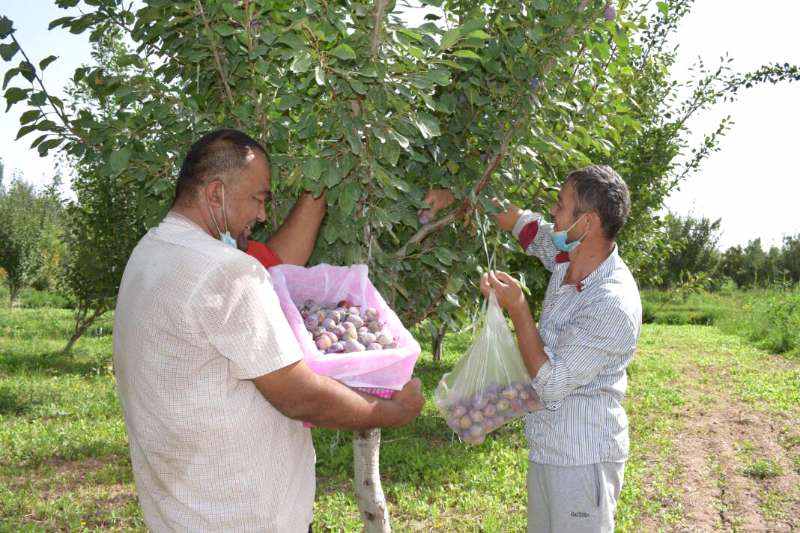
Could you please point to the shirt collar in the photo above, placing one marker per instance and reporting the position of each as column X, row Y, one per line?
column 603, row 270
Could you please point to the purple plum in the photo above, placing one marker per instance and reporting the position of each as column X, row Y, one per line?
column 610, row 12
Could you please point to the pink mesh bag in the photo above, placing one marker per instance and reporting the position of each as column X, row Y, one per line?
column 376, row 372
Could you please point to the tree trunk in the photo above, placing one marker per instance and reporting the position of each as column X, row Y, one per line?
column 72, row 340
column 369, row 493
column 82, row 323
column 437, row 342
column 13, row 293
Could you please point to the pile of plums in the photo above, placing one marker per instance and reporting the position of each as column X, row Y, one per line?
column 344, row 328
column 474, row 416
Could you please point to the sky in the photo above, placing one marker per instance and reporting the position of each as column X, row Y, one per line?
column 752, row 183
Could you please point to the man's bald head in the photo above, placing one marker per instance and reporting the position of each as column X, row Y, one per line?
column 220, row 154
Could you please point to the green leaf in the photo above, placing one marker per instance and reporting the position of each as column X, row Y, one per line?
column 357, row 86
column 444, row 255
column 450, row 38
column 301, row 63
column 312, row 168
column 331, row 174
column 48, row 145
column 38, row 140
column 311, row 7
column 292, row 40
column 390, row 152
column 119, row 159
column 38, row 98
column 46, row 61
column 467, row 54
column 354, row 140
column 6, row 27
column 8, row 50
column 10, row 73
column 14, row 95
column 29, row 116
column 344, row 51
column 663, row 7
column 427, row 124
column 62, row 21
column 348, row 196
column 27, row 71
column 319, row 75
column 226, row 30
column 23, row 131
column 232, row 10
column 479, row 34
column 541, row 4
column 439, row 76
column 288, row 101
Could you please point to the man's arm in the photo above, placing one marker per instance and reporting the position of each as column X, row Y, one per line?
column 299, row 393
column 530, row 229
column 596, row 335
column 294, row 241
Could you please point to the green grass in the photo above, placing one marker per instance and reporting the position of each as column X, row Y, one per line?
column 64, row 462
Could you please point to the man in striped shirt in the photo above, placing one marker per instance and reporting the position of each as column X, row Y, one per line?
column 587, row 333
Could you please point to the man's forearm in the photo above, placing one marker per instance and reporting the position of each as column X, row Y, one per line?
column 336, row 406
column 295, row 239
column 530, row 342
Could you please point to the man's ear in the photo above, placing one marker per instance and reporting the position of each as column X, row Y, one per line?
column 596, row 224
column 213, row 192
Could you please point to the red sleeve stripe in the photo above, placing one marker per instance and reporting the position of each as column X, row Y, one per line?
column 528, row 233
column 263, row 253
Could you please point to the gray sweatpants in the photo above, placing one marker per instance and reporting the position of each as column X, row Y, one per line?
column 566, row 499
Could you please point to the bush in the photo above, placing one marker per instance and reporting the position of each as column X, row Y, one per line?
column 769, row 318
column 775, row 321
column 678, row 308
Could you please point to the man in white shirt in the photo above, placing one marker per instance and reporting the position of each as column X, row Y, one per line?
column 210, row 378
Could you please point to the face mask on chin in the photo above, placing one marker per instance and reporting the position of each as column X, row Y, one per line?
column 559, row 238
column 226, row 236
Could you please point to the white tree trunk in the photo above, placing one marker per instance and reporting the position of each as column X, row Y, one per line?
column 369, row 494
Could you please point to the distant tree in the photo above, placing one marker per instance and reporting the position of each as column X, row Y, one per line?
column 692, row 251
column 25, row 214
column 790, row 258
column 733, row 266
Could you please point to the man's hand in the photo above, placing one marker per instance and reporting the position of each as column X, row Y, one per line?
column 509, row 215
column 409, row 402
column 437, row 199
column 507, row 290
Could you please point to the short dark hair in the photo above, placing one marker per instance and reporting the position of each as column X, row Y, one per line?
column 599, row 188
column 217, row 153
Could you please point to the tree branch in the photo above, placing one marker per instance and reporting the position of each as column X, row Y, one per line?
column 380, row 6
column 60, row 112
column 467, row 205
column 223, row 77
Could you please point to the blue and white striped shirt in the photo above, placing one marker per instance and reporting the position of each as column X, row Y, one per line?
column 589, row 332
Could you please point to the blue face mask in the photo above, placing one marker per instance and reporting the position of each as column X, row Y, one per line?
column 559, row 238
column 224, row 237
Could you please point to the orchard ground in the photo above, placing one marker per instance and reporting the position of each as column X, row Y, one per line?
column 715, row 431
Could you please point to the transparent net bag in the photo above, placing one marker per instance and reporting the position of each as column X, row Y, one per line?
column 490, row 384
